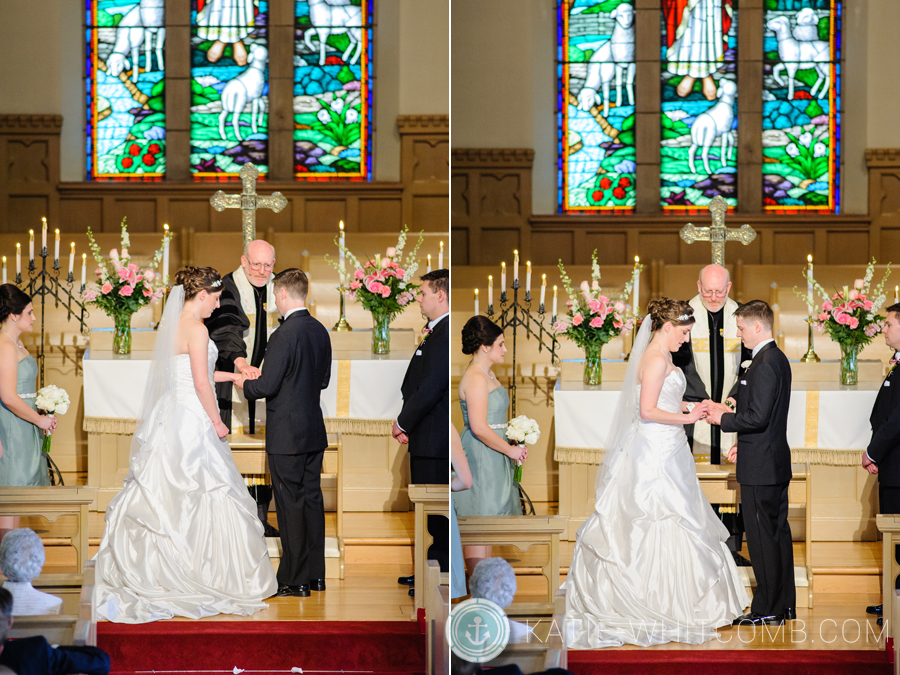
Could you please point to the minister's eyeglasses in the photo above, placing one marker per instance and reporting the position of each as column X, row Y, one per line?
column 256, row 267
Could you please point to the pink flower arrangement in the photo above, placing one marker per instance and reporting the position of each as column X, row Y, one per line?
column 124, row 286
column 849, row 315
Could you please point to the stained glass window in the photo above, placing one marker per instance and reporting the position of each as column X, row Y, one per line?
column 698, row 158
column 596, row 67
column 333, row 89
column 125, row 83
column 229, row 87
column 801, row 105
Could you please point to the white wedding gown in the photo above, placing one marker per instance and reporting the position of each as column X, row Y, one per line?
column 651, row 565
column 182, row 538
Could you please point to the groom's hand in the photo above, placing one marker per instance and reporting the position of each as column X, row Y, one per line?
column 399, row 435
column 715, row 412
column 868, row 464
column 732, row 454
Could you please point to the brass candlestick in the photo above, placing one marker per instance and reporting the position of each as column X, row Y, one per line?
column 810, row 356
column 342, row 326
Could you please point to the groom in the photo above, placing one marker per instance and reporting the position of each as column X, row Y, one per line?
column 763, row 460
column 296, row 369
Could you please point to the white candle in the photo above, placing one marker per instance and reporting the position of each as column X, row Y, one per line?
column 502, row 278
column 543, row 288
column 166, row 254
column 896, row 294
column 56, row 247
column 4, row 269
column 44, row 236
column 477, row 309
column 515, row 266
column 441, row 257
column 490, row 290
column 636, row 290
column 83, row 270
column 553, row 314
column 809, row 284
column 31, row 245
column 72, row 260
column 18, row 260
column 528, row 277
column 428, row 268
column 342, row 258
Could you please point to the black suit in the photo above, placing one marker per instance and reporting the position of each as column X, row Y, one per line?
column 34, row 656
column 764, row 473
column 296, row 369
column 884, row 448
column 424, row 418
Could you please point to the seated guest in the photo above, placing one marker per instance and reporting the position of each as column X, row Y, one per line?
column 494, row 579
column 21, row 560
column 34, row 656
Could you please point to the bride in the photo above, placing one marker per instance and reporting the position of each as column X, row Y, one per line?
column 651, row 565
column 182, row 537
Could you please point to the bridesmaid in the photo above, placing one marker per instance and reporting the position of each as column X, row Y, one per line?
column 460, row 481
column 492, row 460
column 21, row 427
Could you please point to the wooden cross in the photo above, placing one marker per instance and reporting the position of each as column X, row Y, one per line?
column 717, row 233
column 248, row 201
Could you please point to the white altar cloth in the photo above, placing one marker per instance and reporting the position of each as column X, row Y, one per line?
column 363, row 395
column 827, row 424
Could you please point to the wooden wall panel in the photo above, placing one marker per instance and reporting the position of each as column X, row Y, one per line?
column 459, row 243
column 193, row 215
column 425, row 171
column 499, row 245
column 324, row 215
column 848, row 248
column 429, row 213
column 793, row 247
column 381, row 215
column 548, row 248
column 29, row 171
column 141, row 214
column 25, row 212
column 660, row 246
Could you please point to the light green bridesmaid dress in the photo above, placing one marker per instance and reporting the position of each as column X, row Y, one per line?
column 23, row 462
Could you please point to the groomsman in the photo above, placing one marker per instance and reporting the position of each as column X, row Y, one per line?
column 763, row 459
column 241, row 328
column 422, row 423
column 882, row 457
column 711, row 361
column 296, row 370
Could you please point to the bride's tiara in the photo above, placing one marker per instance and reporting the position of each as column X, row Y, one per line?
column 685, row 317
column 216, row 283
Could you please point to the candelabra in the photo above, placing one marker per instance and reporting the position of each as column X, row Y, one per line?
column 514, row 315
column 45, row 282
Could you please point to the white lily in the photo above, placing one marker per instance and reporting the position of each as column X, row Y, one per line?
column 323, row 116
column 352, row 116
column 792, row 149
column 806, row 139
column 820, row 150
column 338, row 105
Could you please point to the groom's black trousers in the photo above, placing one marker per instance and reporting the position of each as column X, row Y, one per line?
column 770, row 547
column 296, row 480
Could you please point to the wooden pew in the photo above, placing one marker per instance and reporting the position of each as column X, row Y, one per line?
column 523, row 532
column 430, row 500
column 50, row 503
column 547, row 649
column 437, row 611
column 889, row 526
column 78, row 629
column 719, row 484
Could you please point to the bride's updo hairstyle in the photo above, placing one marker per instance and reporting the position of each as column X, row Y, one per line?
column 196, row 279
column 678, row 312
column 479, row 331
column 12, row 301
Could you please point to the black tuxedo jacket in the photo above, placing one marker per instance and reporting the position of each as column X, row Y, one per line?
column 34, row 656
column 760, row 420
column 426, row 395
column 695, row 389
column 884, row 448
column 296, row 369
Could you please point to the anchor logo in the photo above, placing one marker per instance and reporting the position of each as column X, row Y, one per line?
column 477, row 626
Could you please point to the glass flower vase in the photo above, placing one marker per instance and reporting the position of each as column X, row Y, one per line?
column 593, row 367
column 381, row 333
column 849, row 364
column 122, row 335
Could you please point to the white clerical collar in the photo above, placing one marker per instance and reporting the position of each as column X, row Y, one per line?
column 433, row 323
column 291, row 311
column 760, row 346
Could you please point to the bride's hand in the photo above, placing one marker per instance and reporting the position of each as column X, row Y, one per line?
column 698, row 413
column 221, row 430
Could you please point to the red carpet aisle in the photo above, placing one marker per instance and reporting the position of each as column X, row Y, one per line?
column 732, row 662
column 394, row 647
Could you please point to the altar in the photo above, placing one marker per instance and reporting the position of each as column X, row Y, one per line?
column 828, row 428
column 360, row 404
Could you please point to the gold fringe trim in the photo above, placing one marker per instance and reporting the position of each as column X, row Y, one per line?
column 109, row 425
column 358, row 427
column 816, row 456
column 334, row 425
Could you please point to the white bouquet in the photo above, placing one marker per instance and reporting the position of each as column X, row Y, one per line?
column 525, row 431
column 52, row 401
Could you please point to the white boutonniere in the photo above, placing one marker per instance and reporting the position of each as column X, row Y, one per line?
column 746, row 364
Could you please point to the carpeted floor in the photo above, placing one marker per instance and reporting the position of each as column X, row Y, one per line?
column 179, row 646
